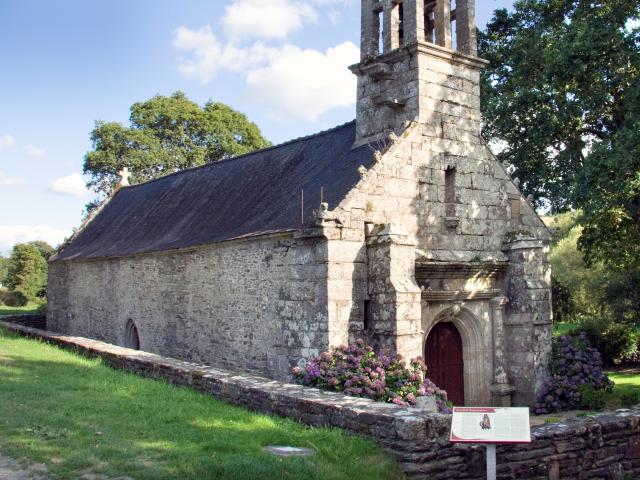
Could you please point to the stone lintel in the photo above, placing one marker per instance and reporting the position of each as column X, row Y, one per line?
column 448, row 296
column 429, row 270
column 524, row 244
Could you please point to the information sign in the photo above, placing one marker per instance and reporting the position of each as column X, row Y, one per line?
column 490, row 425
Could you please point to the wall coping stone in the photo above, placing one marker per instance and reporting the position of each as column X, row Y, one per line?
column 595, row 446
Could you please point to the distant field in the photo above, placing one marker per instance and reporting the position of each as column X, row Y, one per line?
column 85, row 420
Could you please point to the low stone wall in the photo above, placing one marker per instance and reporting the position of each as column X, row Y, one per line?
column 602, row 447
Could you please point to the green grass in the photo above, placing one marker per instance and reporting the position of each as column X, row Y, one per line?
column 78, row 416
column 30, row 309
column 625, row 383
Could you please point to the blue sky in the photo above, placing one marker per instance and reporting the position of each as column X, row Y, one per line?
column 71, row 62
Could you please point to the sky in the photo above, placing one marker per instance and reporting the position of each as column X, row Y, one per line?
column 68, row 63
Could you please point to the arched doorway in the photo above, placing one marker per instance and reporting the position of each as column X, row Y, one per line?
column 443, row 356
column 131, row 337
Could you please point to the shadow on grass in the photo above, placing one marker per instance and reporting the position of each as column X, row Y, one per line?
column 77, row 415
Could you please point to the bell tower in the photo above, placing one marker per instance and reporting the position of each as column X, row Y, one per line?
column 418, row 60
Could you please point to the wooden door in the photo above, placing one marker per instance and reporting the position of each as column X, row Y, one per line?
column 443, row 356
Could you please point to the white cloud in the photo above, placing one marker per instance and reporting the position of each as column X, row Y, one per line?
column 7, row 141
column 12, row 234
column 266, row 18
column 205, row 50
column 291, row 81
column 72, row 185
column 299, row 83
column 8, row 181
column 34, row 151
column 306, row 83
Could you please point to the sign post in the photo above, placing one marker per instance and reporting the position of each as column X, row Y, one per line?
column 490, row 426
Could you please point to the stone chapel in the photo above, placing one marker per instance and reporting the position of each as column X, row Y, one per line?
column 399, row 227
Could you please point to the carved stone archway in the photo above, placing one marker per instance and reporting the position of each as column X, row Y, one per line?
column 475, row 354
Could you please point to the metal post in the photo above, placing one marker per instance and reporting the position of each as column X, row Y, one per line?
column 491, row 461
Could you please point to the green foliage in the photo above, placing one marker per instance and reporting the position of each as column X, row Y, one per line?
column 591, row 398
column 583, row 290
column 27, row 273
column 12, row 299
column 613, row 340
column 630, row 399
column 563, row 304
column 580, row 289
column 561, row 81
column 44, row 248
column 4, row 268
column 166, row 135
column 54, row 403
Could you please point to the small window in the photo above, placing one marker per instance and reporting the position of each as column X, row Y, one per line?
column 367, row 314
column 131, row 337
column 450, row 191
column 401, row 24
column 380, row 33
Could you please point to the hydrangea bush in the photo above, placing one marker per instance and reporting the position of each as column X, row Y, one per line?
column 359, row 371
column 574, row 363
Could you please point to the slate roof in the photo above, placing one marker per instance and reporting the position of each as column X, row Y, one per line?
column 245, row 196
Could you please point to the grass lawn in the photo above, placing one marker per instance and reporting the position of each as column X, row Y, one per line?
column 625, row 383
column 30, row 309
column 78, row 416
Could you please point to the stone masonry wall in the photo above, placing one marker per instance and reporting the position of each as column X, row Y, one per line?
column 255, row 306
column 528, row 322
column 602, row 447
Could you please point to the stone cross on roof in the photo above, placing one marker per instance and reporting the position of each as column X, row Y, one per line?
column 124, row 177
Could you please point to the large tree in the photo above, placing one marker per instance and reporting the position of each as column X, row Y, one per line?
column 166, row 135
column 559, row 85
column 27, row 273
column 562, row 98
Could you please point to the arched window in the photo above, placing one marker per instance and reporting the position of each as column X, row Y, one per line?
column 131, row 337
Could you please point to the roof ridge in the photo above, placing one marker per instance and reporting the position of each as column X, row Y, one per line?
column 244, row 155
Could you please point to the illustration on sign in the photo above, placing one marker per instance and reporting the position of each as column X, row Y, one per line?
column 490, row 425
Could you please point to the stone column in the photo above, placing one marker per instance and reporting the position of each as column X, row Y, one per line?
column 466, row 27
column 443, row 23
column 528, row 323
column 500, row 390
column 391, row 28
column 413, row 21
column 394, row 296
column 369, row 30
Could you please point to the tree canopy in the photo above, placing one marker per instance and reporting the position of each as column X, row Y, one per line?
column 560, row 82
column 561, row 98
column 166, row 135
column 27, row 272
